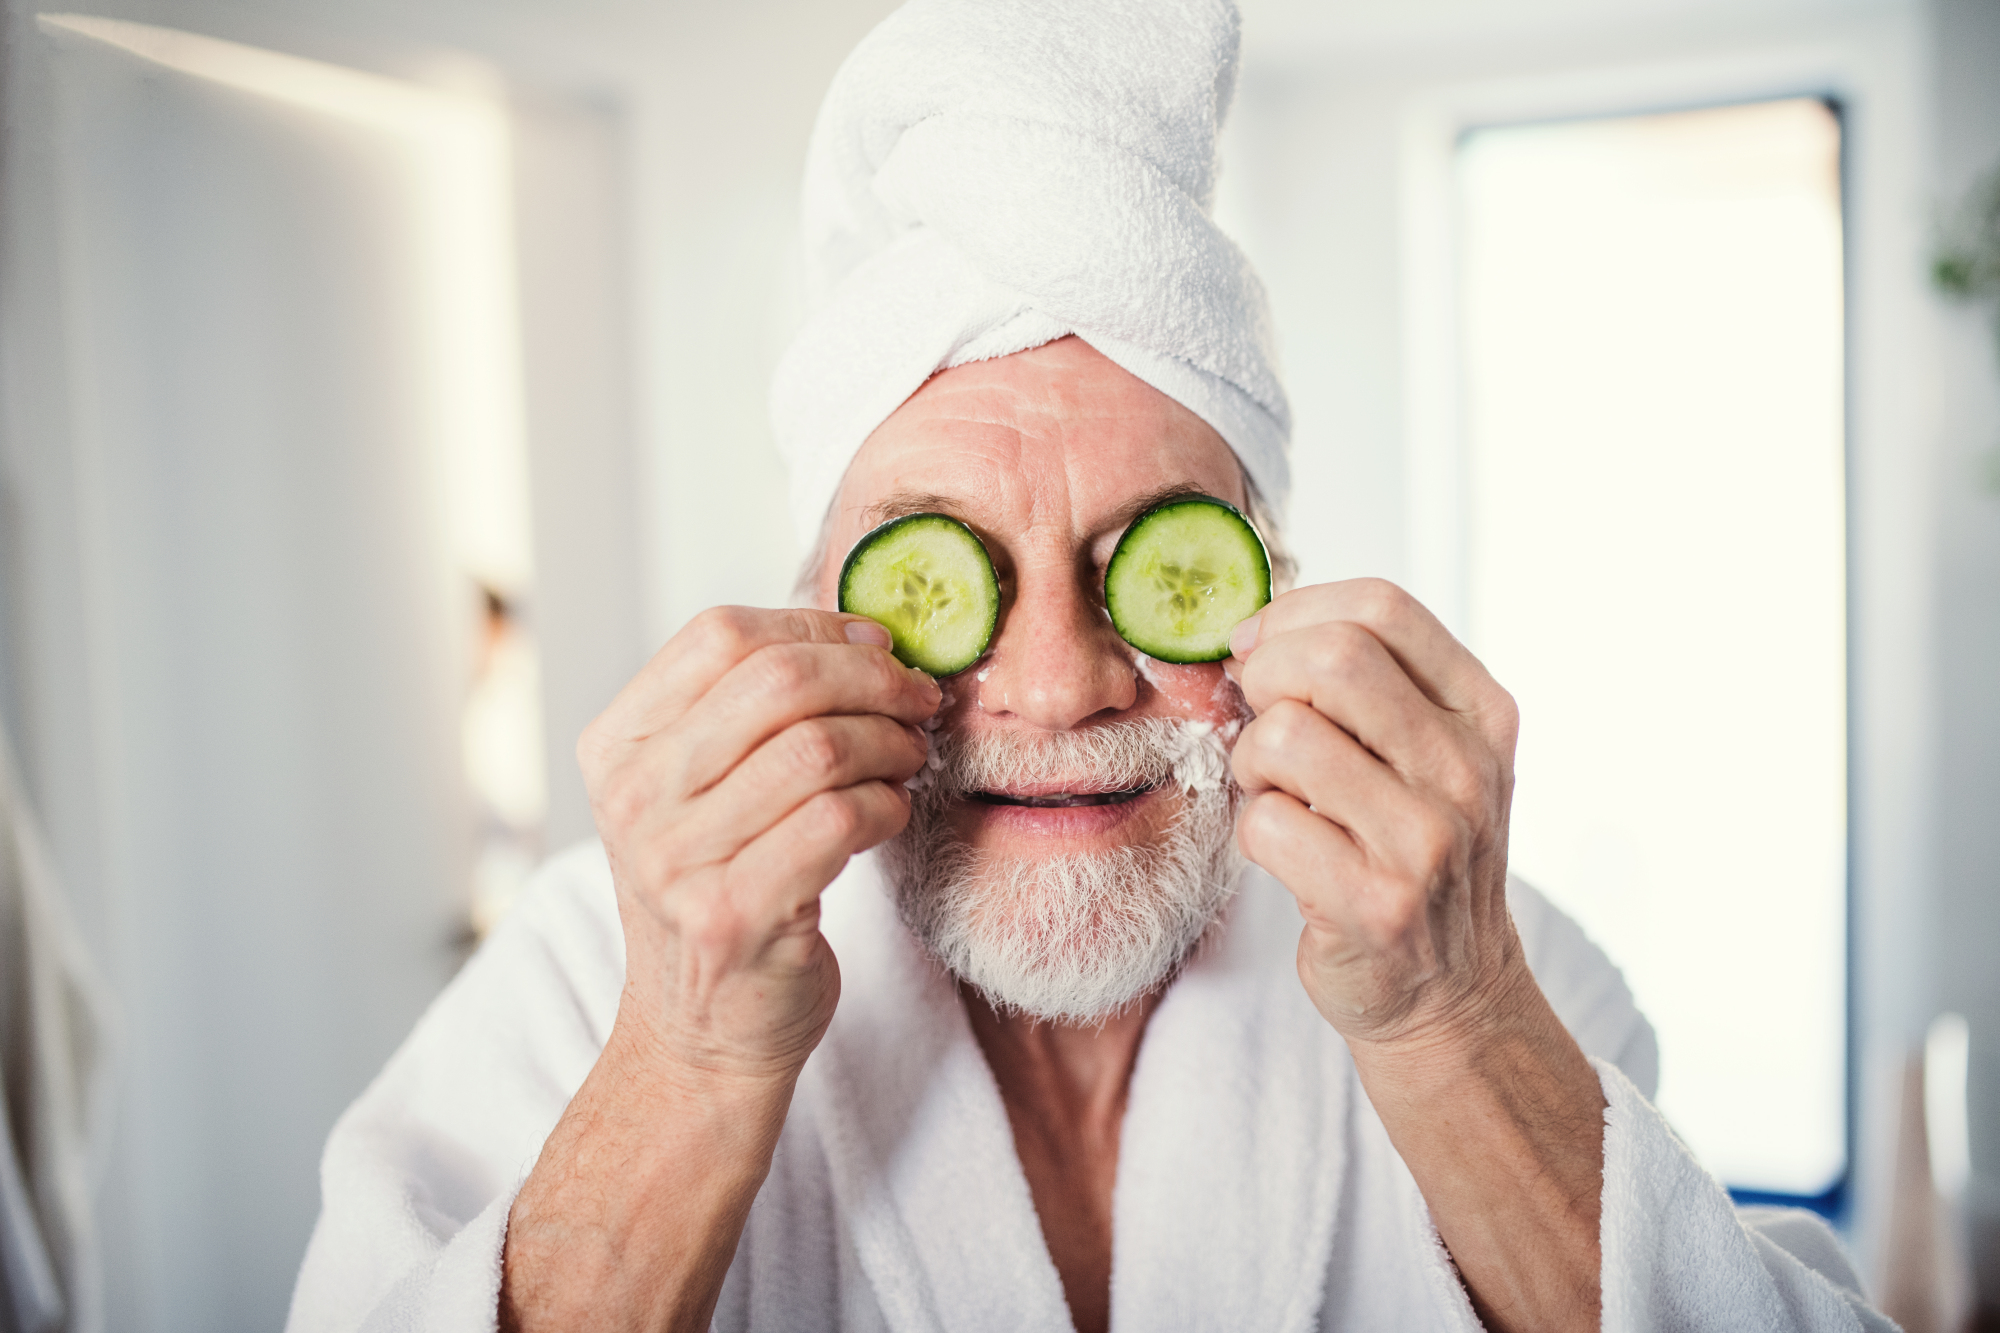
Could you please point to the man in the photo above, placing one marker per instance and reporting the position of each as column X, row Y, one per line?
column 1052, row 1056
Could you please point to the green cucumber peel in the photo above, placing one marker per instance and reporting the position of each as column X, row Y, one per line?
column 926, row 578
column 1186, row 573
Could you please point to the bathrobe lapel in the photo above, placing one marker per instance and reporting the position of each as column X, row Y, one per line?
column 921, row 1157
column 1231, row 1161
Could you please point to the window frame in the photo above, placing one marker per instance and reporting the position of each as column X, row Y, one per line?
column 1436, row 126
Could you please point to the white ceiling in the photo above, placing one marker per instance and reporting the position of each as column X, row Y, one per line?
column 577, row 36
column 1287, row 30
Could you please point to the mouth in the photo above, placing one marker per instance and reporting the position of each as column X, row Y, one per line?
column 1062, row 800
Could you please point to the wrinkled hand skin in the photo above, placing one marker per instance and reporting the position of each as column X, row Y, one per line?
column 730, row 782
column 1378, row 775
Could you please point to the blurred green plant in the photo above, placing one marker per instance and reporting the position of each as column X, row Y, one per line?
column 1968, row 257
column 1966, row 266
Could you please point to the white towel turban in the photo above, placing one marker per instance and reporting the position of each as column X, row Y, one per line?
column 989, row 175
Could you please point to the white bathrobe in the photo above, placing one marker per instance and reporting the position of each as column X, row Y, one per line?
column 1257, row 1190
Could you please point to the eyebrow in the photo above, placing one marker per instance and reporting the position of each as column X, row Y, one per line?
column 1153, row 499
column 901, row 504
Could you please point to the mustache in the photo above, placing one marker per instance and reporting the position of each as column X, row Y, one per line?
column 1127, row 755
column 1070, row 937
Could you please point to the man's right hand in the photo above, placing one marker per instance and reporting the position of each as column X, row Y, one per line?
column 731, row 781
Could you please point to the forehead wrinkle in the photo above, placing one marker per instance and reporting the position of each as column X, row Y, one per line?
column 1025, row 404
column 1013, row 467
column 983, row 477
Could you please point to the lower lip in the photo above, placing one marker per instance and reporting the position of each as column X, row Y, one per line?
column 1057, row 821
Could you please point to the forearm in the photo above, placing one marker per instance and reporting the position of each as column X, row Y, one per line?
column 634, row 1208
column 1503, row 1130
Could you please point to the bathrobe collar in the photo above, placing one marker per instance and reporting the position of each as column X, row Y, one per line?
column 1230, row 1159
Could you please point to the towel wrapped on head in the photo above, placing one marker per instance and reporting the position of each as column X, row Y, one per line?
column 989, row 175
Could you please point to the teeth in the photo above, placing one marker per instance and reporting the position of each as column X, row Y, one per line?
column 1065, row 800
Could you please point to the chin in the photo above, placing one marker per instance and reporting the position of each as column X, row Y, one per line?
column 1061, row 934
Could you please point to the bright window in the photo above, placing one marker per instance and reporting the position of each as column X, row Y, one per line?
column 1652, row 343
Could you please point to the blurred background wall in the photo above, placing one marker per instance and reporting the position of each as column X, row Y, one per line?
column 381, row 383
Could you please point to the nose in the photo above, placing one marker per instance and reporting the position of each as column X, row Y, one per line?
column 1056, row 661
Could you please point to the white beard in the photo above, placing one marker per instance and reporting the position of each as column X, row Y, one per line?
column 1070, row 938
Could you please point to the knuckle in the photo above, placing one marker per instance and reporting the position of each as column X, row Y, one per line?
column 1254, row 682
column 1395, row 911
column 782, row 669
column 710, row 922
column 1338, row 650
column 816, row 749
column 722, row 630
column 1257, row 827
column 1287, row 725
column 622, row 799
column 836, row 817
column 1435, row 840
column 1381, row 602
column 1462, row 780
column 658, row 866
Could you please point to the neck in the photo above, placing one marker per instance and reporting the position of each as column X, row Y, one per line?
column 1077, row 1071
column 1064, row 1087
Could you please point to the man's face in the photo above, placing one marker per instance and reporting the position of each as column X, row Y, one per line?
column 1079, row 835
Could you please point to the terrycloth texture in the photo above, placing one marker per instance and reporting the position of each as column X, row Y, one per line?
column 989, row 175
column 1256, row 1187
column 1700, row 1264
column 53, row 1016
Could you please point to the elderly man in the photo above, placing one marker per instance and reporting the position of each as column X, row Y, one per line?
column 1052, row 1055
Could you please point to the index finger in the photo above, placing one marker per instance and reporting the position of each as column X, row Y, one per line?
column 1438, row 664
column 707, row 648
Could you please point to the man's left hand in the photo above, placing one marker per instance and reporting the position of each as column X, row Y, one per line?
column 1379, row 771
column 1378, row 774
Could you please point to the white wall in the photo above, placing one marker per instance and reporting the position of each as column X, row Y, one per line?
column 234, row 712
column 1966, row 436
column 271, row 632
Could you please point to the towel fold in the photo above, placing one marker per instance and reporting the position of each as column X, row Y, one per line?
column 990, row 175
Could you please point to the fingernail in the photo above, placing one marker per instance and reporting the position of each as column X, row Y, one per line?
column 867, row 631
column 1243, row 638
column 925, row 678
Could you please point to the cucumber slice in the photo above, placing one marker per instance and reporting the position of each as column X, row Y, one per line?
column 1184, row 575
column 927, row 580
